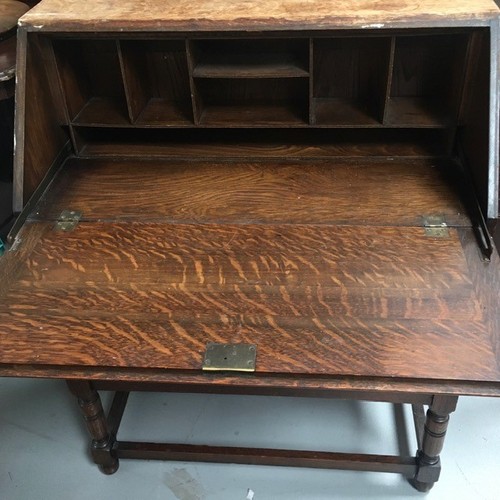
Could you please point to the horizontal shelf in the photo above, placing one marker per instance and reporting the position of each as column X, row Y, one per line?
column 102, row 111
column 215, row 192
column 250, row 66
column 259, row 83
column 252, row 115
column 401, row 112
column 416, row 112
column 162, row 112
column 342, row 112
column 265, row 142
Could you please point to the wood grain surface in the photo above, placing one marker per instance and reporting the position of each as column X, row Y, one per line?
column 316, row 300
column 266, row 192
column 238, row 144
column 241, row 14
column 486, row 281
column 39, row 137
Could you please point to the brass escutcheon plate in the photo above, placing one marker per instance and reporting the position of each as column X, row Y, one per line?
column 230, row 357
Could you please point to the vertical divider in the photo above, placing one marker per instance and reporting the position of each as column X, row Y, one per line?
column 312, row 110
column 471, row 64
column 134, row 94
column 78, row 142
column 63, row 108
column 125, row 81
column 72, row 88
column 73, row 134
column 195, row 98
column 54, row 78
column 461, row 74
column 456, row 104
column 388, row 87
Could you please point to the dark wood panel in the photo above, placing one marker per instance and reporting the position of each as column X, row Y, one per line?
column 351, row 70
column 237, row 143
column 259, row 456
column 252, row 90
column 253, row 58
column 267, row 67
column 102, row 111
column 474, row 136
column 273, row 102
column 312, row 192
column 427, row 80
column 416, row 112
column 162, row 112
column 323, row 338
column 285, row 388
column 254, row 150
column 427, row 66
column 135, row 95
column 181, row 381
column 39, row 137
column 254, row 115
column 342, row 112
column 156, row 81
column 91, row 77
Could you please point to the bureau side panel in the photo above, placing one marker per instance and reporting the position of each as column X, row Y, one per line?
column 476, row 132
column 39, row 137
column 493, row 174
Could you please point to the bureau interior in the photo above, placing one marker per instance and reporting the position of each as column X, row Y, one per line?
column 326, row 96
column 383, row 81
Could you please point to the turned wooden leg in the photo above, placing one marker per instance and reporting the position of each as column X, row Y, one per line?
column 431, row 442
column 93, row 414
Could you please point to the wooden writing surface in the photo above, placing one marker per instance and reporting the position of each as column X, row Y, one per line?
column 259, row 253
column 316, row 301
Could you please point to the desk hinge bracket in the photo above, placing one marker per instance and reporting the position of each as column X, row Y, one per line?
column 68, row 220
column 435, row 226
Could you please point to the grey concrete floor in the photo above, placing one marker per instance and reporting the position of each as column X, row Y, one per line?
column 44, row 450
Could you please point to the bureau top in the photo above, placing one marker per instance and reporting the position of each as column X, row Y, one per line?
column 227, row 15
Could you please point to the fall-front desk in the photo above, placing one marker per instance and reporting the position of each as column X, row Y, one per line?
column 281, row 198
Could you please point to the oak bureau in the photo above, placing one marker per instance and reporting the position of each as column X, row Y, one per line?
column 285, row 198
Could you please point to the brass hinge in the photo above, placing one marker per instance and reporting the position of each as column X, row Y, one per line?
column 230, row 357
column 435, row 226
column 68, row 220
